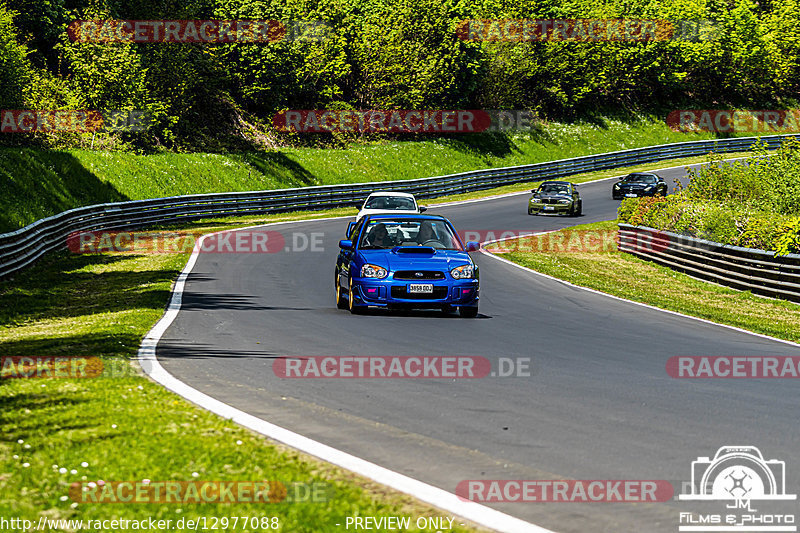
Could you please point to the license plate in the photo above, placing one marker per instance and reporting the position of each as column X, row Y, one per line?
column 549, row 208
column 420, row 288
column 631, row 195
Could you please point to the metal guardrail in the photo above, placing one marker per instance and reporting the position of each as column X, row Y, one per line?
column 21, row 248
column 747, row 269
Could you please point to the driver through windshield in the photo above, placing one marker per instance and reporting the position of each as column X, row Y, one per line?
column 390, row 202
column 551, row 188
column 380, row 234
column 639, row 178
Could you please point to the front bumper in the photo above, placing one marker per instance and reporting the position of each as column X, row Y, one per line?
column 636, row 193
column 393, row 293
column 535, row 209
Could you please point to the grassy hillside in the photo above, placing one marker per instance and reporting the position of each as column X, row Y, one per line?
column 120, row 425
column 39, row 183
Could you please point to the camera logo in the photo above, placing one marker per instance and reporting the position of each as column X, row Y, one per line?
column 737, row 475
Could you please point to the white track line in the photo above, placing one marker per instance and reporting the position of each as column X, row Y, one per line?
column 474, row 512
column 676, row 313
column 595, row 291
column 477, row 513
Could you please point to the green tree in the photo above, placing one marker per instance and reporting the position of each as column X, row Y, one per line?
column 16, row 71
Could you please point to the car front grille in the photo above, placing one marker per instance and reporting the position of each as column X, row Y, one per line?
column 549, row 200
column 439, row 293
column 412, row 274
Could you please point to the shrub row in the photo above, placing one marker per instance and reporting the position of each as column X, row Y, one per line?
column 390, row 54
column 753, row 203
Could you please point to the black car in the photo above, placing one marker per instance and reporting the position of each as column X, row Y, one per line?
column 561, row 197
column 639, row 184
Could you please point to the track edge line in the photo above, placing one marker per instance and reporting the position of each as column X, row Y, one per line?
column 440, row 498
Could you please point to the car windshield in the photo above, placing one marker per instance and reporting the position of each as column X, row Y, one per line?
column 640, row 178
column 390, row 233
column 390, row 202
column 554, row 188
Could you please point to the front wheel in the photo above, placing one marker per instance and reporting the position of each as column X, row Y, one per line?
column 340, row 301
column 468, row 312
column 579, row 211
column 351, row 298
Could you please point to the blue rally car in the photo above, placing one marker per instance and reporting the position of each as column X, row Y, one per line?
column 397, row 261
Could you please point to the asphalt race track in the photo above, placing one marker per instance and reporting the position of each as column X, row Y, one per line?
column 598, row 405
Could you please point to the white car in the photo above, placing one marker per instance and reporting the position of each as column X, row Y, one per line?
column 389, row 202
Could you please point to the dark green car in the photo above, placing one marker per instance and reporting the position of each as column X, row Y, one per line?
column 556, row 197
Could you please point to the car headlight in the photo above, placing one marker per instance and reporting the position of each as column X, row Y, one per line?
column 564, row 201
column 649, row 187
column 463, row 272
column 616, row 185
column 536, row 200
column 373, row 271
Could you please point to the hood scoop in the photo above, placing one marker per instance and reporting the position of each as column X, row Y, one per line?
column 413, row 250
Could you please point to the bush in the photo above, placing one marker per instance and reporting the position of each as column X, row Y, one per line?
column 753, row 203
column 766, row 182
column 16, row 71
column 402, row 54
column 788, row 239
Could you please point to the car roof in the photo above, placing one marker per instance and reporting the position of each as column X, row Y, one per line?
column 405, row 216
column 391, row 193
column 558, row 182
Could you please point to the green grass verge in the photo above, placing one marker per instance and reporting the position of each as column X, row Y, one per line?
column 626, row 276
column 40, row 183
column 124, row 427
column 69, row 305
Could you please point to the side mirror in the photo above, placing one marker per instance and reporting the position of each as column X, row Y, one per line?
column 346, row 245
column 621, row 178
column 473, row 246
column 422, row 209
column 349, row 228
column 533, row 191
